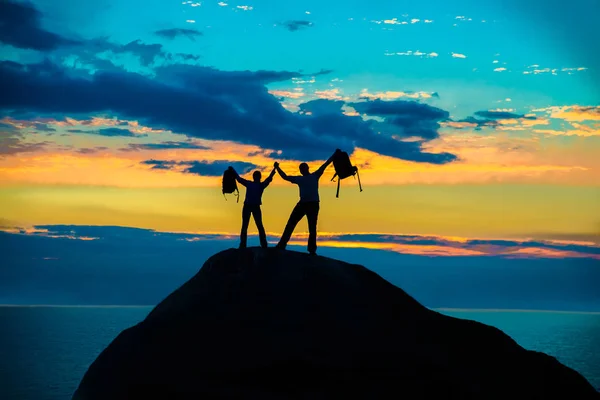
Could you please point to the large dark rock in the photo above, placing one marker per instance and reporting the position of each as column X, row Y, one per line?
column 269, row 324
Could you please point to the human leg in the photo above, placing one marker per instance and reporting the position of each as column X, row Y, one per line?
column 257, row 214
column 297, row 213
column 312, row 215
column 246, row 211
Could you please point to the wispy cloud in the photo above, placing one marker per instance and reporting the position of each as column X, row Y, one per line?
column 416, row 53
column 573, row 113
column 392, row 95
column 426, row 245
column 458, row 55
column 168, row 145
column 202, row 168
column 535, row 69
column 109, row 132
column 173, row 33
column 292, row 94
column 296, row 25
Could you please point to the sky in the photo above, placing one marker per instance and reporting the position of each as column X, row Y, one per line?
column 475, row 125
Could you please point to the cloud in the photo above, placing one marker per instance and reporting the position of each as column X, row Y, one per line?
column 416, row 53
column 573, row 113
column 502, row 114
column 485, row 281
column 393, row 95
column 11, row 142
column 535, row 69
column 458, row 55
column 99, row 54
column 207, row 103
column 295, row 25
column 91, row 150
column 296, row 94
column 20, row 27
column 168, row 145
column 580, row 130
column 146, row 52
column 501, row 69
column 408, row 119
column 109, row 132
column 400, row 108
column 331, row 94
column 202, row 168
column 112, row 132
column 501, row 119
column 173, row 33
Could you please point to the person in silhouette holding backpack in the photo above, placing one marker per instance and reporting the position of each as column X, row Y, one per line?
column 308, row 184
column 252, row 203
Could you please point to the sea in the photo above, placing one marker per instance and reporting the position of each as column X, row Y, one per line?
column 45, row 350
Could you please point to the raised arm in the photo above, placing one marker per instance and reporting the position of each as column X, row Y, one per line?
column 322, row 168
column 238, row 178
column 269, row 179
column 283, row 174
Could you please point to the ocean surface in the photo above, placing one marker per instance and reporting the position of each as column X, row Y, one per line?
column 44, row 351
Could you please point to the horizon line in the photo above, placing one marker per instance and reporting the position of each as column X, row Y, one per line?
column 443, row 309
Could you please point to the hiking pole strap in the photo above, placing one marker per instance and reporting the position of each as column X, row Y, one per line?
column 358, row 175
column 337, row 194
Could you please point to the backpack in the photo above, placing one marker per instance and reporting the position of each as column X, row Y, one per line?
column 344, row 169
column 230, row 185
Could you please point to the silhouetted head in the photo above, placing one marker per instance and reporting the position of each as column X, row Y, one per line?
column 256, row 176
column 304, row 168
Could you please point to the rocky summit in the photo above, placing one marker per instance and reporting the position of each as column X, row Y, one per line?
column 272, row 324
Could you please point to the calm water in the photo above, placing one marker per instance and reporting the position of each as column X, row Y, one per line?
column 44, row 351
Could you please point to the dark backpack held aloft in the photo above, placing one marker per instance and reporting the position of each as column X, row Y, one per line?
column 344, row 169
column 230, row 185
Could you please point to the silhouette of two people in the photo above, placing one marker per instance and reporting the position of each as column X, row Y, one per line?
column 308, row 205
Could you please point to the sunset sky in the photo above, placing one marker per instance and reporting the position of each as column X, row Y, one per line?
column 475, row 125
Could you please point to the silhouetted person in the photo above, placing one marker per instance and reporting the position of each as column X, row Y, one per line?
column 308, row 205
column 252, row 203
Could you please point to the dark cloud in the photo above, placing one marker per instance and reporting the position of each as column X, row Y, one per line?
column 405, row 118
column 91, row 150
column 20, row 27
column 207, row 103
column 42, row 127
column 146, row 52
column 490, row 119
column 399, row 109
column 110, row 132
column 203, row 168
column 295, row 25
column 168, row 145
column 10, row 145
column 321, row 107
column 191, row 34
column 502, row 115
column 116, row 132
column 187, row 57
